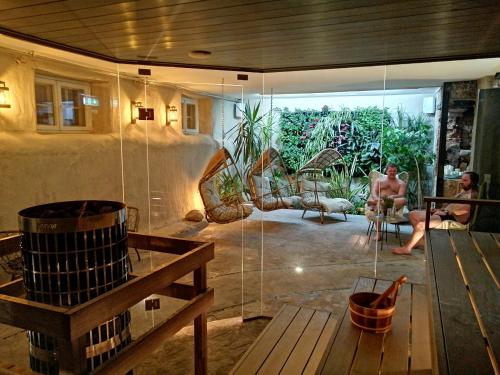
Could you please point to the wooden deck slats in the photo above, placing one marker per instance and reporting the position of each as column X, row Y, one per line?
column 259, row 351
column 421, row 337
column 306, row 343
column 490, row 250
column 481, row 285
column 454, row 320
column 283, row 348
column 344, row 347
column 294, row 342
column 357, row 352
column 369, row 352
column 396, row 345
column 300, row 340
column 317, row 358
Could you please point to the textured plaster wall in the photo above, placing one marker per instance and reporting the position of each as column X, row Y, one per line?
column 160, row 164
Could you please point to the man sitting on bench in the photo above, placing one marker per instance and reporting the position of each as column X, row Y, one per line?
column 454, row 211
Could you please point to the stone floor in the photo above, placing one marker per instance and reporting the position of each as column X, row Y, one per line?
column 260, row 263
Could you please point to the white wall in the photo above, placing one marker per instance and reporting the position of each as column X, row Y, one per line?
column 158, row 160
column 410, row 100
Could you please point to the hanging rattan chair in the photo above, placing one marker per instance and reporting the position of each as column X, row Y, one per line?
column 221, row 190
column 269, row 185
column 314, row 187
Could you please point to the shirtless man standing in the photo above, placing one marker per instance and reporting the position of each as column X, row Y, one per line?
column 387, row 189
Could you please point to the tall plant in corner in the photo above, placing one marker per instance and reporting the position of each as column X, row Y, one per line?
column 248, row 140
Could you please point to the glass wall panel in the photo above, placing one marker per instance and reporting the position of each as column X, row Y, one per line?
column 303, row 259
column 181, row 146
column 60, row 151
column 178, row 175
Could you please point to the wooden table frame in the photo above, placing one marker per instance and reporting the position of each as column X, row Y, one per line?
column 69, row 325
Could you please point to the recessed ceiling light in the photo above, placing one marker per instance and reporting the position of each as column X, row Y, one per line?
column 199, row 54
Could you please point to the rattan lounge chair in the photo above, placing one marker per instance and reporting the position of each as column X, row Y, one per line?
column 221, row 190
column 314, row 187
column 269, row 185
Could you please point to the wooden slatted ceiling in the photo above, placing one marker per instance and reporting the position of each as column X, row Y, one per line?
column 260, row 35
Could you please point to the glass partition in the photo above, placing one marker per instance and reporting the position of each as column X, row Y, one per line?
column 298, row 258
column 181, row 146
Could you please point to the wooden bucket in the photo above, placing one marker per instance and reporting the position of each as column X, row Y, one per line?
column 369, row 319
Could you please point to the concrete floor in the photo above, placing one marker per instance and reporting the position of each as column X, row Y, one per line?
column 284, row 259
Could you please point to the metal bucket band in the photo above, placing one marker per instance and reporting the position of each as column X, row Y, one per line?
column 107, row 345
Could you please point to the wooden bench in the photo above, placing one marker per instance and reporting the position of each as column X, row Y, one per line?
column 464, row 270
column 294, row 342
column 302, row 340
column 464, row 273
column 403, row 350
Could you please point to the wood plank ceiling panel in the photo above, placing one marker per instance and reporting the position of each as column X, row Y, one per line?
column 261, row 35
column 330, row 26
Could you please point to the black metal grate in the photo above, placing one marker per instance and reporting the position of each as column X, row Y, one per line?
column 74, row 252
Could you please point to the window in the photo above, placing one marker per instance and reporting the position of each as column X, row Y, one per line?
column 59, row 105
column 190, row 115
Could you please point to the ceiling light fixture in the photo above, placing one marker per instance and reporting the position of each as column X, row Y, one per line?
column 200, row 54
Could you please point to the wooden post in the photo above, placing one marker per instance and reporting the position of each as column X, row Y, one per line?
column 200, row 326
column 427, row 213
column 72, row 356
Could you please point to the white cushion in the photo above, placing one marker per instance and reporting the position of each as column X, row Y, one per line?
column 329, row 205
column 262, row 185
column 210, row 193
column 307, row 185
column 452, row 224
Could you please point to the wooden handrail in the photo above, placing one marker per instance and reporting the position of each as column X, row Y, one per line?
column 473, row 202
column 478, row 202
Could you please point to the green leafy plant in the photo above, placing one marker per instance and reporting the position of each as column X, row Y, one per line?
column 364, row 137
column 248, row 142
column 229, row 187
column 407, row 143
column 293, row 134
column 321, row 134
column 342, row 184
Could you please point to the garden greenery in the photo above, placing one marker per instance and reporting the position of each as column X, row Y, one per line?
column 357, row 134
column 360, row 137
column 366, row 137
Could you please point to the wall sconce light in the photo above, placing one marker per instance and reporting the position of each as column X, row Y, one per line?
column 4, row 95
column 134, row 111
column 172, row 114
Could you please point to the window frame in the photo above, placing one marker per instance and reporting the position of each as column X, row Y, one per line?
column 185, row 101
column 57, row 84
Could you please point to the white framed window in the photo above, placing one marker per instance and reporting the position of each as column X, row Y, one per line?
column 59, row 105
column 190, row 120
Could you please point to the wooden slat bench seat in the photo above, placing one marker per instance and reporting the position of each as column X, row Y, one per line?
column 403, row 350
column 302, row 340
column 294, row 342
column 464, row 273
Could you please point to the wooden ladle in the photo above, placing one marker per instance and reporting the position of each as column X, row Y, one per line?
column 393, row 289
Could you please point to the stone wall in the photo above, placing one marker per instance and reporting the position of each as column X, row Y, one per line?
column 142, row 163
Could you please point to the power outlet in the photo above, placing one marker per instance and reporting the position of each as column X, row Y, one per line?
column 487, row 178
column 152, row 304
